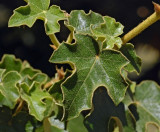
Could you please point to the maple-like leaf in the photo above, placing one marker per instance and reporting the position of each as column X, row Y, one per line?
column 92, row 68
column 37, row 9
column 81, row 22
column 110, row 31
column 34, row 97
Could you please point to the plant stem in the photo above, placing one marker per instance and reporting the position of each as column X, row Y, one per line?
column 70, row 37
column 19, row 108
column 54, row 40
column 142, row 26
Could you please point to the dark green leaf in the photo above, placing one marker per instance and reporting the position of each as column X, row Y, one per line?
column 92, row 68
column 82, row 22
column 103, row 110
column 135, row 61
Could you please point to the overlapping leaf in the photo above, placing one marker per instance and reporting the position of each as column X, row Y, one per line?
column 10, row 63
column 103, row 110
column 34, row 97
column 35, row 9
column 81, row 22
column 9, row 90
column 110, row 31
column 135, row 61
column 92, row 68
column 77, row 125
column 147, row 99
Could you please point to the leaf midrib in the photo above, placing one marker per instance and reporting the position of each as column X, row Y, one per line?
column 82, row 83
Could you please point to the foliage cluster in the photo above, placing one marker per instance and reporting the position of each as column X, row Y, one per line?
column 95, row 96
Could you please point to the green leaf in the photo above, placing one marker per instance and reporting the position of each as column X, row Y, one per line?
column 92, row 68
column 54, row 125
column 34, row 98
column 35, row 9
column 147, row 99
column 76, row 125
column 110, row 31
column 135, row 61
column 29, row 71
column 9, row 89
column 82, row 22
column 10, row 63
column 39, row 77
column 103, row 110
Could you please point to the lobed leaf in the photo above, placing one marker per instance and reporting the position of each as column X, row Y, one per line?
column 10, row 63
column 92, row 68
column 109, row 30
column 35, row 9
column 34, row 98
column 81, row 22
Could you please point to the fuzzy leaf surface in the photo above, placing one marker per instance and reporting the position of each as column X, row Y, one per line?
column 92, row 68
column 135, row 62
column 82, row 22
column 34, row 97
column 147, row 98
column 110, row 31
column 35, row 9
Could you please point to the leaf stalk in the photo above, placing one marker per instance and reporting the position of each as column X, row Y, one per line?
column 142, row 26
column 54, row 40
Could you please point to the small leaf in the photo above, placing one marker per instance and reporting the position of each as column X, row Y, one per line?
column 39, row 77
column 92, row 68
column 147, row 99
column 9, row 89
column 10, row 63
column 110, row 31
column 27, row 15
column 82, row 22
column 135, row 61
column 34, row 100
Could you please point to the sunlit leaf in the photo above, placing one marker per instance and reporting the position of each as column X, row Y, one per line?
column 82, row 22
column 92, row 68
column 34, row 98
column 110, row 31
column 35, row 9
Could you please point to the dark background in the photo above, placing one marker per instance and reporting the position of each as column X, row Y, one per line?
column 33, row 44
